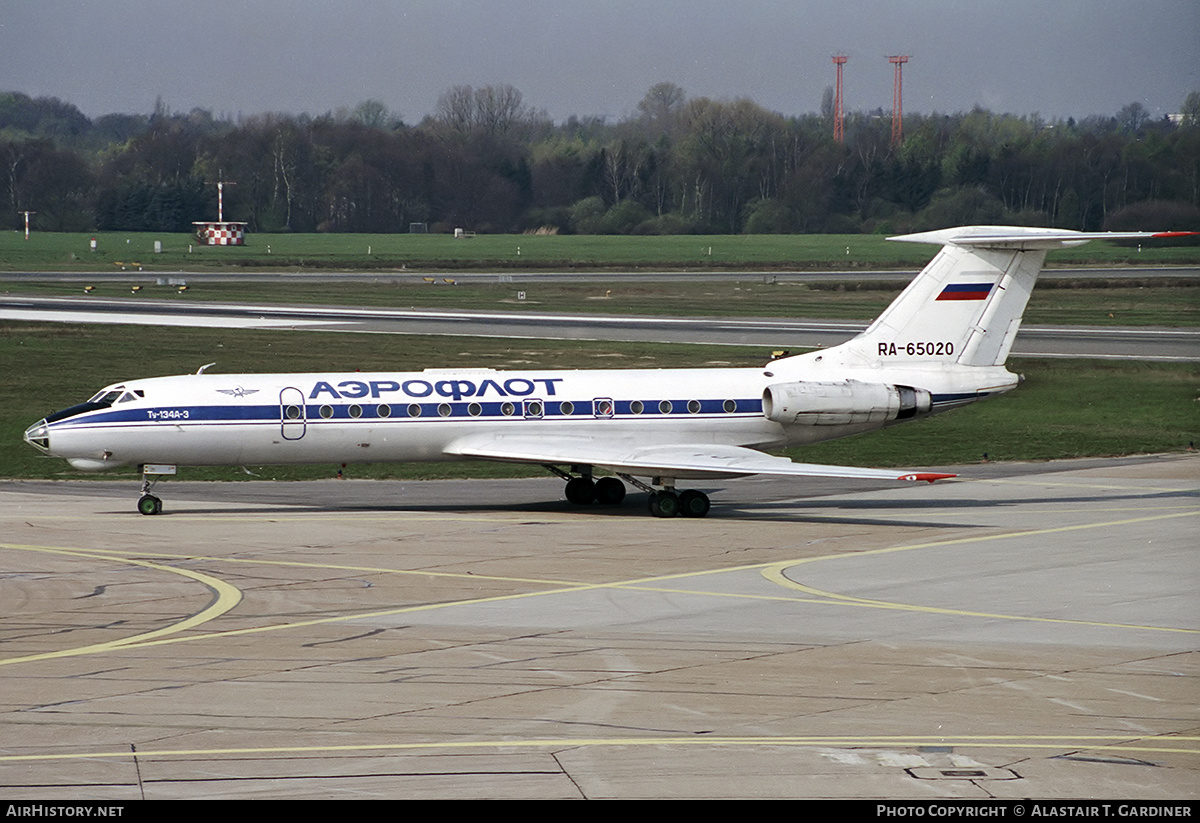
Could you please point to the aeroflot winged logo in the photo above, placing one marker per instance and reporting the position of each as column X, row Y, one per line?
column 238, row 392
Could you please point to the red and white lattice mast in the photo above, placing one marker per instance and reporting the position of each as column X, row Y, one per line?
column 898, row 60
column 839, row 127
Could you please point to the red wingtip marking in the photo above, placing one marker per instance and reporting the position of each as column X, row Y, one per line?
column 1175, row 233
column 928, row 477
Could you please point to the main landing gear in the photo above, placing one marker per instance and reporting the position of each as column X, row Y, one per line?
column 583, row 490
column 689, row 503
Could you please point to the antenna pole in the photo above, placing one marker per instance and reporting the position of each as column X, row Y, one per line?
column 221, row 184
column 898, row 61
column 839, row 129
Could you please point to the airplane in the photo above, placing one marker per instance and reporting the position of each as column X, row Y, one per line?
column 941, row 344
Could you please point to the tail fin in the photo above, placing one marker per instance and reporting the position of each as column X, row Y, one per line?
column 965, row 307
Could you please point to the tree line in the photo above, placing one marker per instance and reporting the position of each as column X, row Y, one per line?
column 487, row 161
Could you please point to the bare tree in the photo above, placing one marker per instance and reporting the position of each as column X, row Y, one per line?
column 498, row 109
column 456, row 109
column 660, row 108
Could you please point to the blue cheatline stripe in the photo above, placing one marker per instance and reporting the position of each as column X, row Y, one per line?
column 399, row 411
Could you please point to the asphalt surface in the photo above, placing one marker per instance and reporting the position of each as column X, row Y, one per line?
column 1140, row 343
column 1030, row 631
column 540, row 276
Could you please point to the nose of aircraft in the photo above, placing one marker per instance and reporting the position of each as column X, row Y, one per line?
column 38, row 436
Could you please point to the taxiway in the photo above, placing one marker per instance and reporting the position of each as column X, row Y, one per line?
column 1029, row 631
column 1135, row 343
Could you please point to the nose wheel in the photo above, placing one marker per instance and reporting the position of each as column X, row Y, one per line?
column 149, row 504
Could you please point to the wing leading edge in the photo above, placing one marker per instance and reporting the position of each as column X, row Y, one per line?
column 681, row 460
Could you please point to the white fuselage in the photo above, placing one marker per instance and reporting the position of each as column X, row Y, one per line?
column 276, row 419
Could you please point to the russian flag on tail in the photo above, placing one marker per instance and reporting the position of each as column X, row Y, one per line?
column 966, row 291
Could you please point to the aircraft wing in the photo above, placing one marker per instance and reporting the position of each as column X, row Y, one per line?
column 682, row 460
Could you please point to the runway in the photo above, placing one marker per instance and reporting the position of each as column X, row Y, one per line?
column 1141, row 343
column 417, row 276
column 1029, row 631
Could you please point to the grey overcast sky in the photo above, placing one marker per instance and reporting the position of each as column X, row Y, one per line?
column 1058, row 58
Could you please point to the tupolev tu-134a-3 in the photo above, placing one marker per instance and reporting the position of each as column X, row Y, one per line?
column 942, row 343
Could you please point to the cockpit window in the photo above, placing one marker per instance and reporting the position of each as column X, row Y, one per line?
column 107, row 397
column 103, row 400
column 127, row 396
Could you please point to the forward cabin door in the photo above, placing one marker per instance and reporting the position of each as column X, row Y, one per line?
column 292, row 414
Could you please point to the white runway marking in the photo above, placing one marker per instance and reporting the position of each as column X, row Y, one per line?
column 161, row 319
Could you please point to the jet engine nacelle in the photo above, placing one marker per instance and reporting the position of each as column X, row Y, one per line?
column 844, row 403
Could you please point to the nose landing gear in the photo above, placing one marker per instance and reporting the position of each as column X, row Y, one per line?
column 151, row 472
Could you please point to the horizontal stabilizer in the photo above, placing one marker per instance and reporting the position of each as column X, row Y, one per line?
column 685, row 460
column 1021, row 238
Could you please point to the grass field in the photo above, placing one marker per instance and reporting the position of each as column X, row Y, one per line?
column 48, row 251
column 1065, row 408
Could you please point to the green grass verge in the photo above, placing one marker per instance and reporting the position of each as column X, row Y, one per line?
column 50, row 251
column 1064, row 409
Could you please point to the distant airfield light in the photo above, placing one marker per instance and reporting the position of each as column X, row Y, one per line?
column 26, row 213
